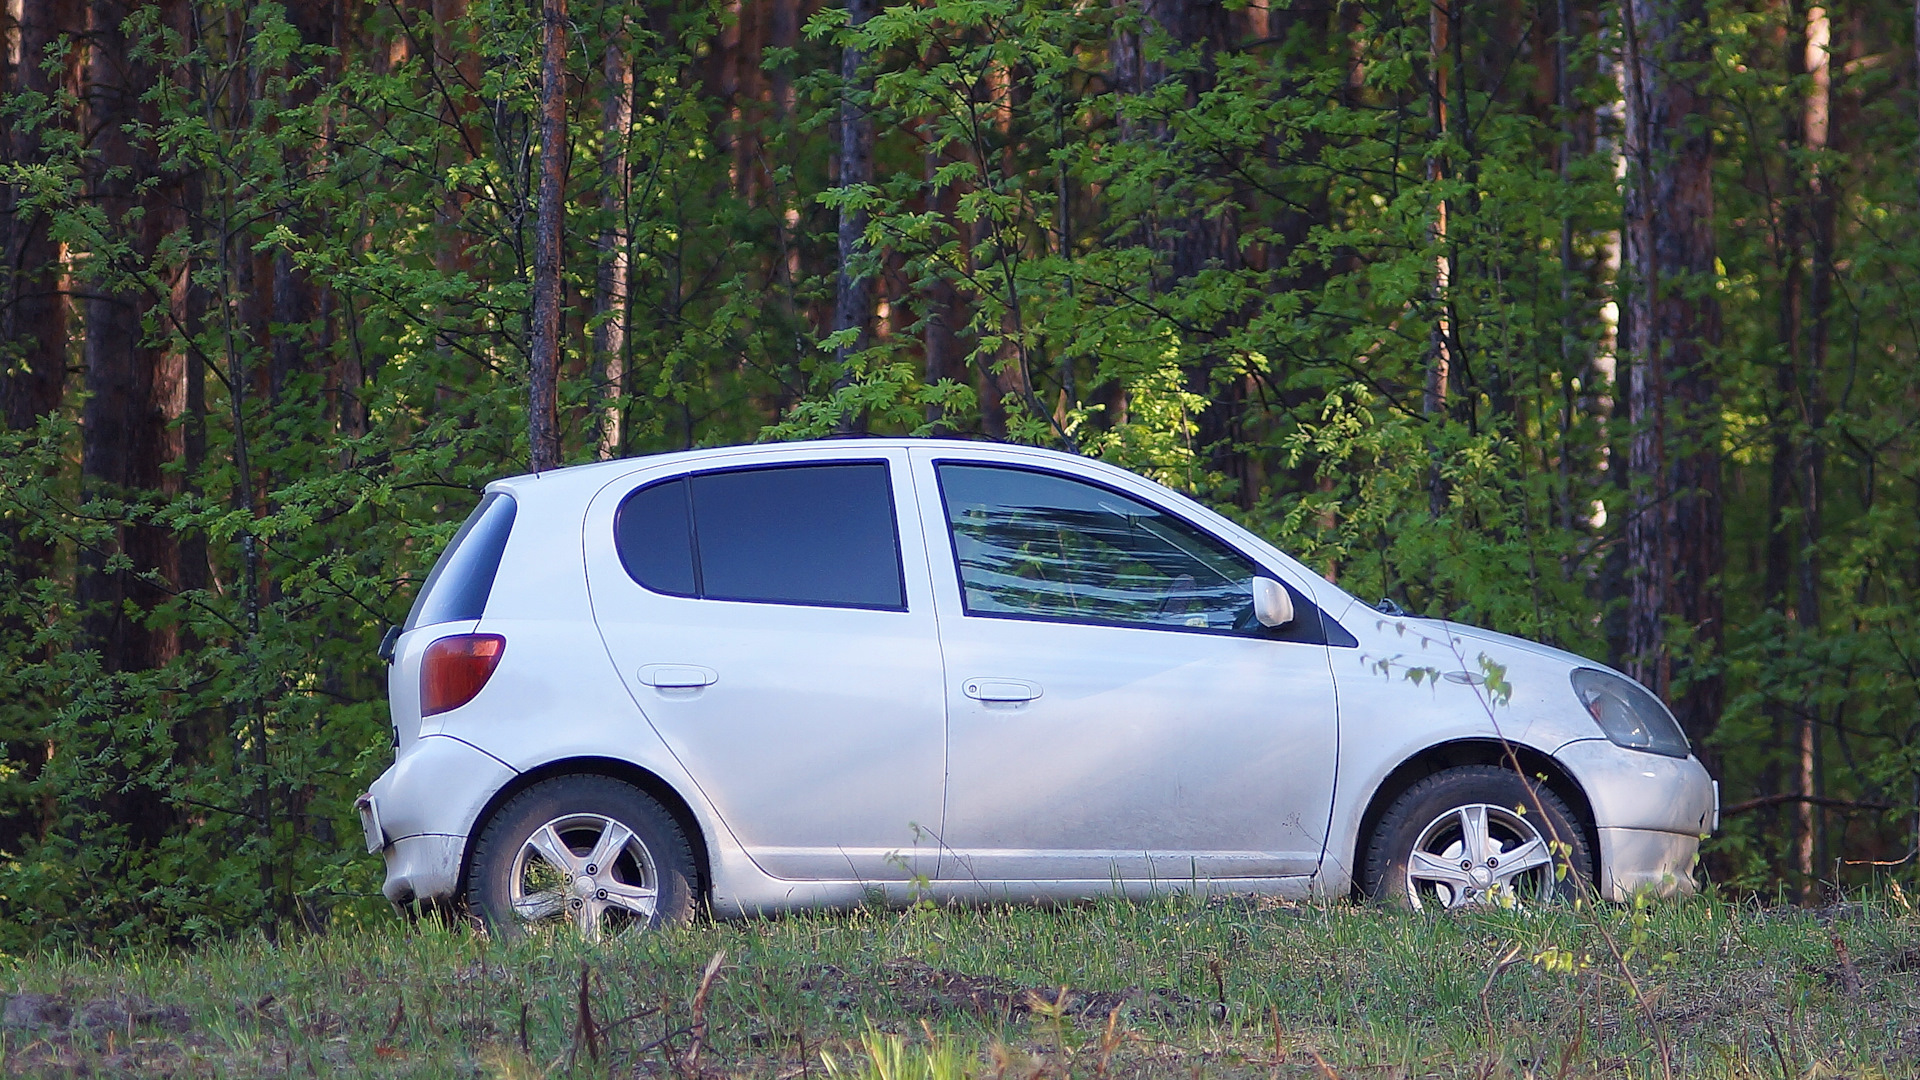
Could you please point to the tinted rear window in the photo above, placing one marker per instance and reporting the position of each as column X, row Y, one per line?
column 458, row 587
column 820, row 535
column 655, row 538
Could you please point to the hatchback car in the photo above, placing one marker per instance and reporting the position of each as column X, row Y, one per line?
column 767, row 677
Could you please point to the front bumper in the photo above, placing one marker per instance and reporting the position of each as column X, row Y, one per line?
column 1651, row 812
column 1631, row 789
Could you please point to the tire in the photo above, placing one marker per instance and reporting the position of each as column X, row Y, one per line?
column 538, row 861
column 1522, row 824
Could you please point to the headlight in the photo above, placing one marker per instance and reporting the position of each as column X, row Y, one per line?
column 1630, row 715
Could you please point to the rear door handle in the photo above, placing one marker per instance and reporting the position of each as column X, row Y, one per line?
column 677, row 676
column 1000, row 689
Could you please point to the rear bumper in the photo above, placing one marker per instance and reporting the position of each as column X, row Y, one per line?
column 421, row 811
column 1647, row 860
column 425, row 867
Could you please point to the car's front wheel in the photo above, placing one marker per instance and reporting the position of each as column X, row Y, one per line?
column 589, row 853
column 1472, row 835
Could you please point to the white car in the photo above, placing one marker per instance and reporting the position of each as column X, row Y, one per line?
column 767, row 677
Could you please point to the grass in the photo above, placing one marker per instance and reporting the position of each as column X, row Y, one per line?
column 1175, row 988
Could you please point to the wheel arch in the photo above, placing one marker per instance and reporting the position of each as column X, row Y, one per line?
column 1533, row 764
column 615, row 769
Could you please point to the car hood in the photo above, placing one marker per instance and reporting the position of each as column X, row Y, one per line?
column 1556, row 715
column 1501, row 641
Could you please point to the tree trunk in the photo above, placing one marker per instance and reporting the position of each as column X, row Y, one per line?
column 1188, row 238
column 134, row 386
column 33, row 304
column 291, row 350
column 941, row 344
column 1810, row 455
column 610, row 283
column 1433, row 402
column 122, row 423
column 33, row 360
column 853, row 292
column 783, row 31
column 1672, row 323
column 543, row 419
column 1573, row 365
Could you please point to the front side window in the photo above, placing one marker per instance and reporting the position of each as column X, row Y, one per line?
column 820, row 535
column 1037, row 545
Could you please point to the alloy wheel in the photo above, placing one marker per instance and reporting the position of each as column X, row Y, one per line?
column 588, row 870
column 1479, row 854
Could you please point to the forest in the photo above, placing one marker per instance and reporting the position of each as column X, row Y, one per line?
column 1592, row 321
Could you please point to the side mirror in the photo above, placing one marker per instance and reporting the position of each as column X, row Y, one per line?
column 1272, row 603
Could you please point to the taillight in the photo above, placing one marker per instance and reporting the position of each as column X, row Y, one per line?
column 455, row 668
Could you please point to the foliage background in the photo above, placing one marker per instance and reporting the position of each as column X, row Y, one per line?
column 1350, row 272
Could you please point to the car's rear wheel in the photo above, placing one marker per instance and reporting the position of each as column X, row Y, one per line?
column 1474, row 835
column 590, row 854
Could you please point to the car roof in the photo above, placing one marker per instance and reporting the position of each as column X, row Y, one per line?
column 577, row 484
column 602, row 471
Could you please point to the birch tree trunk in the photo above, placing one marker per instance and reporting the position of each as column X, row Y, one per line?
column 610, row 284
column 1433, row 402
column 1809, row 463
column 543, row 419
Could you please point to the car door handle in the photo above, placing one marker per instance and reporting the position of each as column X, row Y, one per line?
column 1000, row 690
column 677, row 676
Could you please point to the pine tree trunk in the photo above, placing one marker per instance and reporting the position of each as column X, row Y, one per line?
column 33, row 304
column 1573, row 365
column 941, row 339
column 136, row 387
column 853, row 292
column 1207, row 238
column 1672, row 323
column 543, row 420
column 291, row 351
column 122, row 423
column 34, row 339
column 783, row 32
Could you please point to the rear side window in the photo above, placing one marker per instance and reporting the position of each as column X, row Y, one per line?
column 819, row 535
column 458, row 587
column 655, row 529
